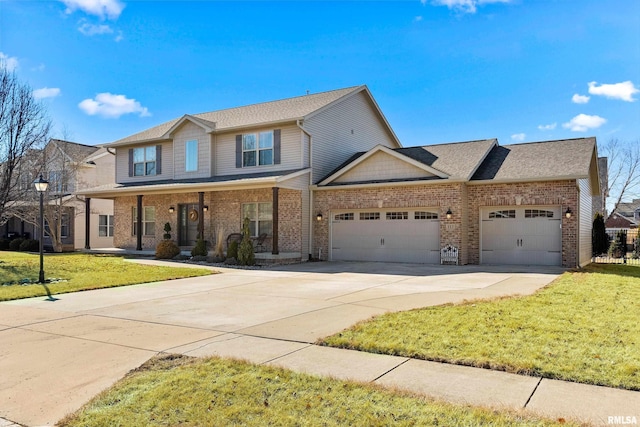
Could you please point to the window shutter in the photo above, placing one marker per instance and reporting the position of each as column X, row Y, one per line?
column 276, row 147
column 130, row 161
column 158, row 159
column 238, row 151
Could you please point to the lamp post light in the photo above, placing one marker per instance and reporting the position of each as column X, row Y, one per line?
column 41, row 186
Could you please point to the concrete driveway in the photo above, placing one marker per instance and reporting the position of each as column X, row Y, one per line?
column 56, row 355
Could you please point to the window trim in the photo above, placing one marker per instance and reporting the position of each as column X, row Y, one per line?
column 109, row 226
column 258, row 150
column 268, row 206
column 145, row 162
column 145, row 222
column 187, row 144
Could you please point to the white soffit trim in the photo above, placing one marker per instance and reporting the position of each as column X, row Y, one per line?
column 382, row 148
column 385, row 184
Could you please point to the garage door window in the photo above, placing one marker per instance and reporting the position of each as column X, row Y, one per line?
column 537, row 213
column 344, row 217
column 369, row 216
column 511, row 213
column 397, row 215
column 425, row 215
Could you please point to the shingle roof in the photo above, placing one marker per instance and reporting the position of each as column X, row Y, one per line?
column 255, row 114
column 538, row 160
column 628, row 208
column 75, row 151
column 458, row 160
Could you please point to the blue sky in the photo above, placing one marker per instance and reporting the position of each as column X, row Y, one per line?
column 441, row 70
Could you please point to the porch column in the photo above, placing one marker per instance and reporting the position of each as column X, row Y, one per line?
column 274, row 218
column 87, row 223
column 139, row 224
column 22, row 229
column 201, row 215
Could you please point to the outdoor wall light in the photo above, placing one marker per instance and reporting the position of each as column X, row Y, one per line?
column 449, row 213
column 171, row 209
column 568, row 213
column 205, row 208
column 319, row 217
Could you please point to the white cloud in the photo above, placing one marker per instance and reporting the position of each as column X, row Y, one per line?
column 580, row 99
column 104, row 9
column 46, row 92
column 465, row 6
column 551, row 126
column 584, row 122
column 10, row 62
column 119, row 37
column 623, row 91
column 518, row 137
column 91, row 29
column 112, row 106
column 417, row 18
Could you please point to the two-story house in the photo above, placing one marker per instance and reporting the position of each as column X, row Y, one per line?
column 68, row 167
column 324, row 176
column 205, row 172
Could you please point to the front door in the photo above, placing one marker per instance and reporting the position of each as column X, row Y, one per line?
column 188, row 224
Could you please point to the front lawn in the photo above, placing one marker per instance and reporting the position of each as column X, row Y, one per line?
column 184, row 391
column 80, row 272
column 583, row 328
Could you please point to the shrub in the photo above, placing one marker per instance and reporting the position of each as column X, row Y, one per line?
column 232, row 250
column 599, row 238
column 4, row 244
column 200, row 249
column 167, row 231
column 30, row 245
column 246, row 255
column 14, row 245
column 618, row 246
column 167, row 249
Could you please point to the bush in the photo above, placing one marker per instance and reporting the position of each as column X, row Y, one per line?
column 618, row 246
column 245, row 251
column 232, row 250
column 167, row 231
column 200, row 249
column 599, row 238
column 4, row 244
column 14, row 245
column 167, row 249
column 30, row 245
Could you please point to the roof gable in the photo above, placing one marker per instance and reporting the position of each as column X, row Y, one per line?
column 381, row 164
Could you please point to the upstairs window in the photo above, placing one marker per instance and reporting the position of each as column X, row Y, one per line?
column 58, row 183
column 257, row 149
column 144, row 161
column 191, row 156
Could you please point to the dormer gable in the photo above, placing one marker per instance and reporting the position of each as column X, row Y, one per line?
column 206, row 125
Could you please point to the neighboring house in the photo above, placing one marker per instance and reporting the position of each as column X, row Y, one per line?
column 206, row 172
column 69, row 167
column 625, row 216
column 324, row 176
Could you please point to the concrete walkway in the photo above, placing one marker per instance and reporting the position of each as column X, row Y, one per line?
column 54, row 356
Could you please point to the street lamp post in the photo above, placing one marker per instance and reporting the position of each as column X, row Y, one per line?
column 41, row 186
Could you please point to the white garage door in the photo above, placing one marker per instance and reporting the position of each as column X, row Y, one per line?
column 392, row 235
column 521, row 235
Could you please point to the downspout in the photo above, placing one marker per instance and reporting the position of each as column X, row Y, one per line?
column 310, row 248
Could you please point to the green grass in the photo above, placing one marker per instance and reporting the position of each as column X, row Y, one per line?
column 80, row 272
column 183, row 391
column 583, row 328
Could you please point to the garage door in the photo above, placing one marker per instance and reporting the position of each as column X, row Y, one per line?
column 392, row 235
column 521, row 235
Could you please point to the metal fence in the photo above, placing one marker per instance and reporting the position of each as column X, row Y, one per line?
column 624, row 248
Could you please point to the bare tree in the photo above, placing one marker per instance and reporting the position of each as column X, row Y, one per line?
column 624, row 170
column 24, row 127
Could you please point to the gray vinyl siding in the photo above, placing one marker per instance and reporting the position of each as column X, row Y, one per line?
column 225, row 151
column 343, row 129
column 302, row 183
column 585, row 222
column 122, row 163
column 306, row 140
column 190, row 132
